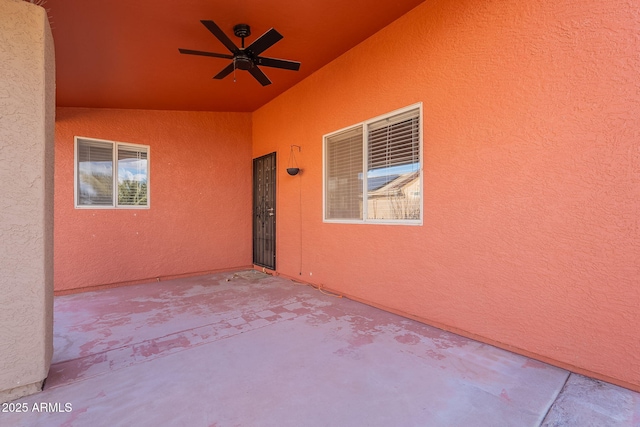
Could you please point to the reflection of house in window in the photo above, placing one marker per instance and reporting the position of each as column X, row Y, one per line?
column 394, row 196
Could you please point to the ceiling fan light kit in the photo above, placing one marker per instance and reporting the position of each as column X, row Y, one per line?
column 245, row 58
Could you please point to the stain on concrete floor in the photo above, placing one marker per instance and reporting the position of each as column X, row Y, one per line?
column 246, row 348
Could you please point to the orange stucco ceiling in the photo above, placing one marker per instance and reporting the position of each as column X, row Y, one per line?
column 124, row 54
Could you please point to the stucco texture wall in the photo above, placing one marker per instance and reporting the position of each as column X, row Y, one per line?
column 199, row 218
column 27, row 108
column 531, row 173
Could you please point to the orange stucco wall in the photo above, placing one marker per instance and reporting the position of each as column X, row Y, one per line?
column 531, row 176
column 200, row 191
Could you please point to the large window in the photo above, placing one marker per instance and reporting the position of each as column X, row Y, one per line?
column 111, row 174
column 373, row 171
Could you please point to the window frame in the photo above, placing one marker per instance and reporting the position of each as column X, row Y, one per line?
column 365, row 160
column 114, row 159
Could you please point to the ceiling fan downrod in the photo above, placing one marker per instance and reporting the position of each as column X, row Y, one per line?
column 242, row 31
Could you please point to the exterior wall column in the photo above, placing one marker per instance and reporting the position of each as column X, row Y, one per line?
column 27, row 125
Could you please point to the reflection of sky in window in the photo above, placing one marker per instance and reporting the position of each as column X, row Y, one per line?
column 96, row 168
column 132, row 170
column 393, row 170
column 380, row 177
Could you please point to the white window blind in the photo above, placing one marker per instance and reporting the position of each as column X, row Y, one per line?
column 344, row 175
column 111, row 174
column 394, row 141
column 373, row 170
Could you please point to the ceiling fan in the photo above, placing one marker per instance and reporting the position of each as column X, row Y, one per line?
column 245, row 58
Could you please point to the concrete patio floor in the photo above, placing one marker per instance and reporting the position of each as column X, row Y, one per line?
column 248, row 349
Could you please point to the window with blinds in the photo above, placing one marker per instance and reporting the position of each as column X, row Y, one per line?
column 372, row 171
column 393, row 167
column 343, row 152
column 94, row 173
column 132, row 176
column 111, row 174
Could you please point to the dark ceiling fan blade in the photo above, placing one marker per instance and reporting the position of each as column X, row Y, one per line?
column 220, row 35
column 201, row 53
column 225, row 72
column 278, row 63
column 260, row 76
column 264, row 42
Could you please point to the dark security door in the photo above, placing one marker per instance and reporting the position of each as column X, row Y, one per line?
column 264, row 211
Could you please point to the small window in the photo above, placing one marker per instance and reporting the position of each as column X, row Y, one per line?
column 111, row 174
column 373, row 171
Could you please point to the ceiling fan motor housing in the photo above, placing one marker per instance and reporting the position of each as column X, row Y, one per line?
column 242, row 62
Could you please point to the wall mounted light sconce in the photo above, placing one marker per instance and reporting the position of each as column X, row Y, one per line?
column 292, row 166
